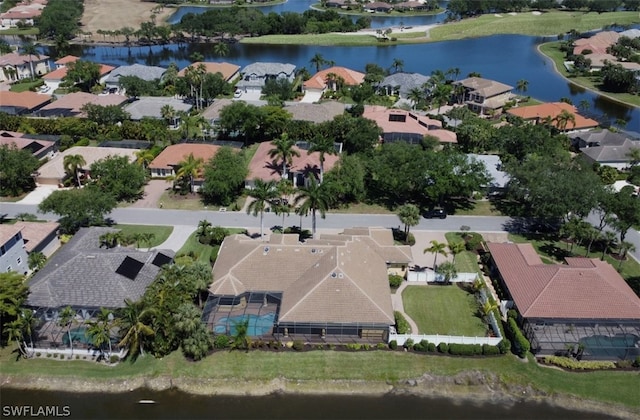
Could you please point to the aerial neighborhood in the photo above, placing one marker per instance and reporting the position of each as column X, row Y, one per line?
column 148, row 209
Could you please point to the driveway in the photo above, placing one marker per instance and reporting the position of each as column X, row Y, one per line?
column 152, row 193
column 40, row 193
column 311, row 97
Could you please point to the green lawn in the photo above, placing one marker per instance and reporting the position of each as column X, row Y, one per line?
column 466, row 261
column 25, row 86
column 161, row 232
column 201, row 251
column 336, row 39
column 20, row 31
column 171, row 200
column 552, row 50
column 443, row 310
column 377, row 366
column 480, row 208
column 363, row 208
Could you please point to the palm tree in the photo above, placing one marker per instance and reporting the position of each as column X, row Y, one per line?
column 189, row 168
column 488, row 306
column 634, row 156
column 36, row 260
column 522, row 85
column 14, row 332
column 283, row 149
column 318, row 61
column 134, row 323
column 564, row 118
column 324, row 146
column 203, row 228
column 29, row 322
column 584, row 105
column 409, row 215
column 455, row 248
column 262, row 193
column 187, row 319
column 221, row 49
column 66, row 318
column 144, row 157
column 436, row 248
column 100, row 329
column 168, row 113
column 31, row 50
column 315, row 198
column 625, row 247
column 72, row 165
column 416, row 95
column 608, row 237
column 448, row 270
column 397, row 65
column 241, row 339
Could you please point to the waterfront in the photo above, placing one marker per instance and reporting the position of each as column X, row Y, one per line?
column 174, row 404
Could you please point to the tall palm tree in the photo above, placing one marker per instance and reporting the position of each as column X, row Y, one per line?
column 455, row 248
column 608, row 237
column 416, row 95
column 397, row 65
column 221, row 49
column 187, row 319
column 625, row 247
column 144, row 157
column 72, row 165
column 283, row 149
column 315, row 198
column 564, row 118
column 203, row 228
column 31, row 50
column 189, row 168
column 318, row 61
column 14, row 332
column 522, row 85
column 324, row 146
column 168, row 113
column 262, row 193
column 135, row 323
column 448, row 270
column 65, row 319
column 29, row 322
column 436, row 248
column 409, row 215
column 100, row 329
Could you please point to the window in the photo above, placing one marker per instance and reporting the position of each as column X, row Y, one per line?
column 8, row 268
column 397, row 117
column 19, row 260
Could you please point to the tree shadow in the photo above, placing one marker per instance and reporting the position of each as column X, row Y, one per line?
column 555, row 251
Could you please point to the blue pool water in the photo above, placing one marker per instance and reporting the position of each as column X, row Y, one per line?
column 258, row 324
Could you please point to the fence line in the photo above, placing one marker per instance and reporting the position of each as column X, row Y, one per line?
column 449, row 339
column 430, row 276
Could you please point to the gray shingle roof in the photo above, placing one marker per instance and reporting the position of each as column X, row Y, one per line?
column 261, row 69
column 611, row 153
column 406, row 81
column 499, row 178
column 151, row 106
column 148, row 73
column 81, row 274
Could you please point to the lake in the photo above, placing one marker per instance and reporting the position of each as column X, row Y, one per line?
column 174, row 404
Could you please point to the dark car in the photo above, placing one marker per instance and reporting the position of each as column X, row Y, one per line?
column 435, row 213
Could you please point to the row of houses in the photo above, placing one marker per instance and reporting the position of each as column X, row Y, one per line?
column 24, row 13
column 595, row 48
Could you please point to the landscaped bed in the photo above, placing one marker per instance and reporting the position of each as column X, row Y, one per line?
column 447, row 310
column 161, row 233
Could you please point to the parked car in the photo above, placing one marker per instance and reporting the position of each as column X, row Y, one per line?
column 237, row 93
column 435, row 213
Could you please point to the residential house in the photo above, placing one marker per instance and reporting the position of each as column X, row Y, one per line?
column 40, row 237
column 583, row 307
column 229, row 72
column 38, row 148
column 410, row 127
column 298, row 172
column 147, row 73
column 21, row 103
column 315, row 113
column 614, row 153
column 597, row 43
column 17, row 66
column 24, row 13
column 86, row 277
column 70, row 105
column 377, row 6
column 212, row 114
column 484, row 96
column 54, row 78
column 493, row 164
column 168, row 161
column 334, row 290
column 401, row 84
column 255, row 75
column 411, row 6
column 151, row 107
column 13, row 253
column 53, row 173
column 330, row 79
column 549, row 112
column 344, row 4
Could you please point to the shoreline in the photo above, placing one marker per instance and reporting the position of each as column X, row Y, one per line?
column 469, row 386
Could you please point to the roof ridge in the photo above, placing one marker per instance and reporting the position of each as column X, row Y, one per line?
column 362, row 292
column 557, row 267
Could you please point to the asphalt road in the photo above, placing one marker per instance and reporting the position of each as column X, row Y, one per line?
column 165, row 217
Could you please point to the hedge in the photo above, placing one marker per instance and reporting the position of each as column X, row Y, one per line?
column 443, row 348
column 393, row 344
column 569, row 363
column 520, row 343
column 402, row 326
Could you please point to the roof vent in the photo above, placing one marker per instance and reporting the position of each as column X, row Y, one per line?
column 91, row 256
column 313, row 250
column 265, row 250
column 334, row 275
column 340, row 275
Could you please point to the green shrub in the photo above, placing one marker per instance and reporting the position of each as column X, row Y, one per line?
column 408, row 344
column 55, row 355
column 354, row 346
column 472, row 241
column 411, row 240
column 402, row 326
column 512, row 313
column 421, row 346
column 298, row 345
column 382, row 346
column 521, row 345
column 221, row 342
column 77, row 357
column 393, row 344
column 48, row 354
column 114, row 359
column 431, row 347
column 489, row 350
column 273, row 345
column 636, row 363
column 443, row 348
column 38, row 354
column 464, row 349
column 504, row 346
column 569, row 363
column 395, row 280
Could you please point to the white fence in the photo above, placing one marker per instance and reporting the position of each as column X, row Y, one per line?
column 430, row 276
column 449, row 339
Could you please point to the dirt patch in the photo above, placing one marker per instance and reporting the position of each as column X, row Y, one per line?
column 117, row 14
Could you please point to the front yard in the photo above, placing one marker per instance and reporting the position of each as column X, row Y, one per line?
column 446, row 310
column 160, row 233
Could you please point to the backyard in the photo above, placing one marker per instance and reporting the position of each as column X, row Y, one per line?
column 160, row 233
column 446, row 310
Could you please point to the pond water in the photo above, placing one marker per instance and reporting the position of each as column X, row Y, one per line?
column 177, row 405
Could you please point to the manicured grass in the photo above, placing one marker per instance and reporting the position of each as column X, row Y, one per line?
column 201, row 251
column 363, row 208
column 552, row 50
column 526, row 23
column 480, row 208
column 25, row 86
column 443, row 310
column 19, row 31
column 337, row 39
column 553, row 251
column 12, row 199
column 393, row 13
column 466, row 261
column 171, row 200
column 161, row 232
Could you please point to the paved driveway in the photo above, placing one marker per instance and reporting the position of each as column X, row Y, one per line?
column 152, row 193
column 40, row 193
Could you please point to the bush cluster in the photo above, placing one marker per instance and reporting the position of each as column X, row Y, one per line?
column 298, row 345
column 402, row 326
column 472, row 241
column 393, row 344
column 521, row 345
column 395, row 280
column 443, row 348
column 465, row 349
column 569, row 363
column 408, row 344
column 221, row 342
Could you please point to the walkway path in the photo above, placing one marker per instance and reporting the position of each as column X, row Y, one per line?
column 177, row 238
column 396, row 303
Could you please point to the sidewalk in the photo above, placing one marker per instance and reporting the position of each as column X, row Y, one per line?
column 178, row 237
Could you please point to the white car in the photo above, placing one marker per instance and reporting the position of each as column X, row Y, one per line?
column 44, row 89
column 237, row 93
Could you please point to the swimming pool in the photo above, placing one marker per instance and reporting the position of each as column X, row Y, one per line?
column 619, row 346
column 258, row 324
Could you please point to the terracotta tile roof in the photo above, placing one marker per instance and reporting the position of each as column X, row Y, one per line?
column 581, row 289
column 391, row 121
column 175, row 153
column 553, row 109
column 267, row 169
column 69, row 105
column 67, row 59
column 7, row 232
column 34, row 233
column 16, row 59
column 25, row 100
column 22, row 142
column 319, row 80
column 321, row 283
column 597, row 43
column 227, row 70
column 61, row 72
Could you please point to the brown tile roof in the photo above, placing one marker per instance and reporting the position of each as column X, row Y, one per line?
column 175, row 153
column 320, row 283
column 67, row 59
column 581, row 289
column 484, row 87
column 69, row 105
column 319, row 80
column 16, row 59
column 597, row 43
column 34, row 233
column 7, row 232
column 23, row 142
column 387, row 120
column 60, row 73
column 553, row 109
column 227, row 70
column 267, row 169
column 27, row 99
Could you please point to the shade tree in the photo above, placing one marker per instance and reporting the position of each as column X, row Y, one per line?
column 224, row 177
column 16, row 170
